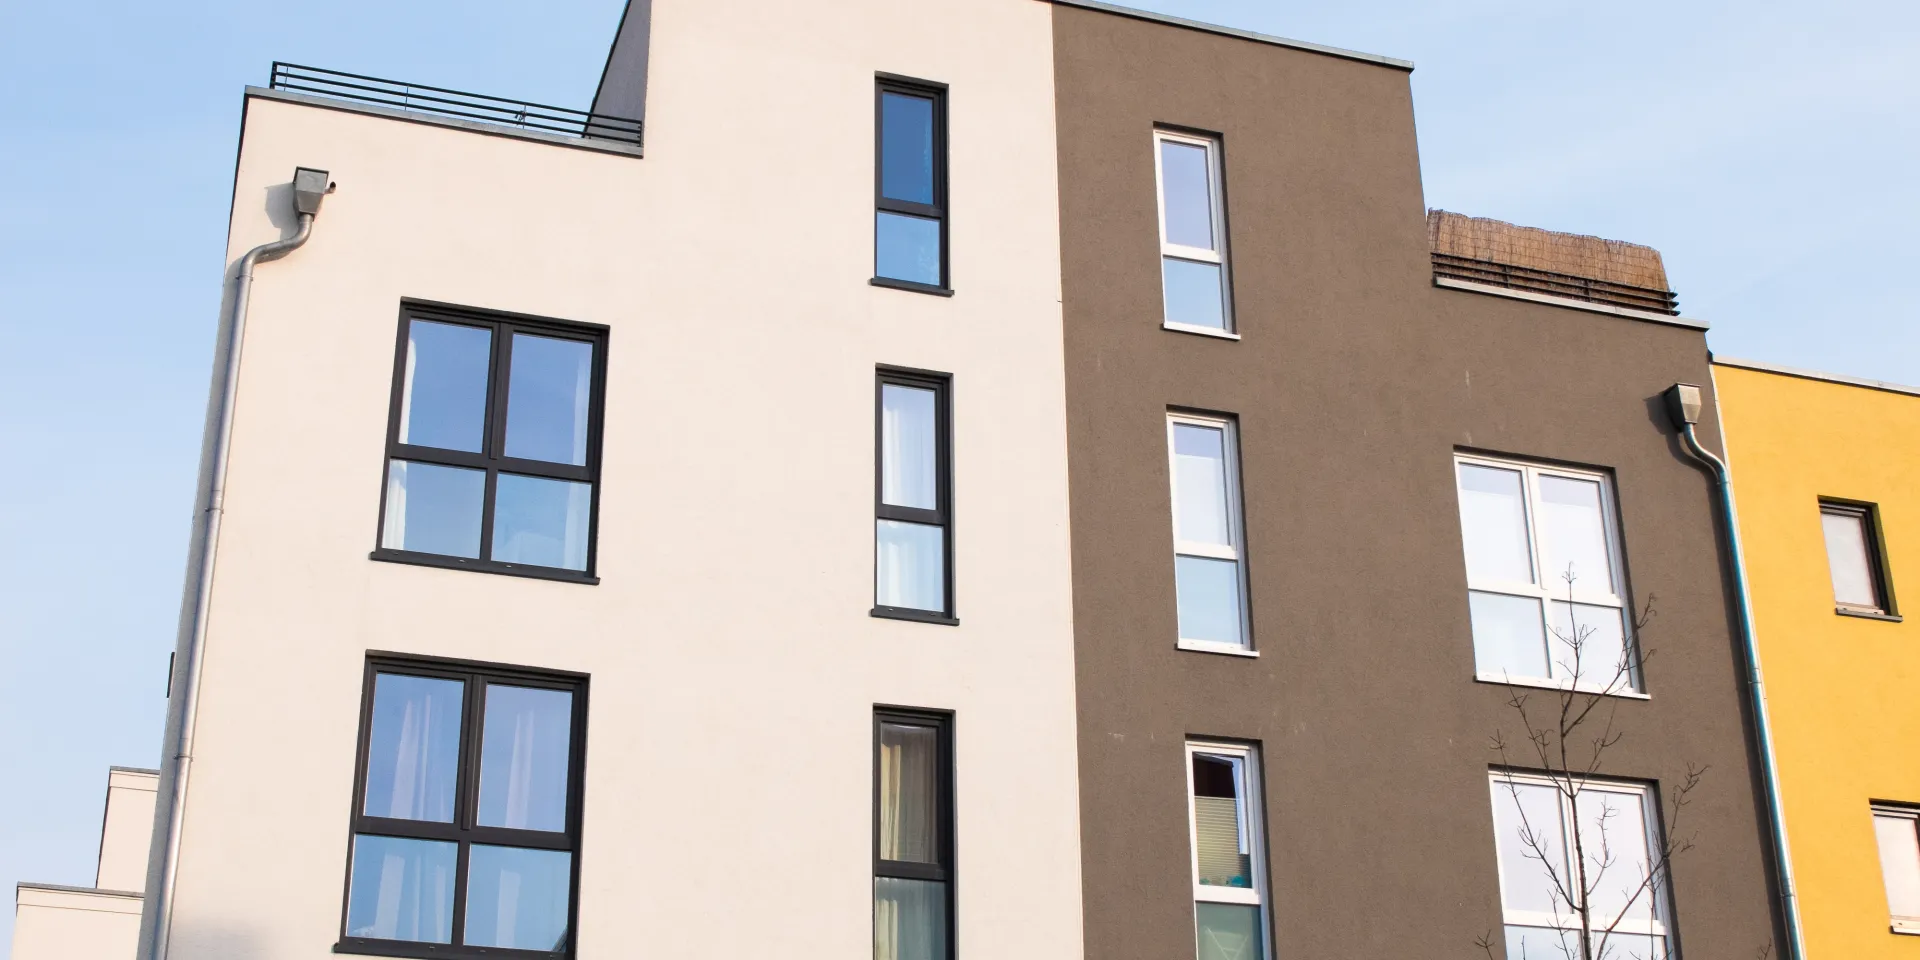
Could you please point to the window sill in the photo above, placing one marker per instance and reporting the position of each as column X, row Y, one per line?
column 1200, row 331
column 482, row 566
column 911, row 286
column 1907, row 926
column 433, row 951
column 917, row 616
column 1543, row 684
column 1225, row 649
column 1872, row 615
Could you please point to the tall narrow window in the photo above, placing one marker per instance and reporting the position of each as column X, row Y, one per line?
column 913, row 543
column 1208, row 572
column 1193, row 233
column 910, row 185
column 1898, row 831
column 466, row 815
column 1860, row 583
column 1544, row 581
column 1229, row 863
column 1609, row 830
column 493, row 446
column 912, row 835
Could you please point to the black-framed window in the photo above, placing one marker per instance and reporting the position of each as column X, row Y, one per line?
column 1856, row 558
column 493, row 443
column 913, row 875
column 466, row 811
column 913, row 496
column 910, row 185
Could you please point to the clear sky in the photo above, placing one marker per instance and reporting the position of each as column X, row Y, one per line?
column 1767, row 148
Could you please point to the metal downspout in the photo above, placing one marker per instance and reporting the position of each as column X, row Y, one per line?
column 156, row 922
column 1685, row 412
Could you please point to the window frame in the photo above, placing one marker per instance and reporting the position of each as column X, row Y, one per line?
column 1236, row 550
column 1898, row 923
column 940, row 209
column 475, row 675
column 1254, row 822
column 945, row 872
column 1217, row 197
column 1868, row 515
column 491, row 458
column 1531, row 472
column 1660, row 891
column 942, row 515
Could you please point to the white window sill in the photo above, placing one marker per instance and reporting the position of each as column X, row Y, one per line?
column 1202, row 331
column 1201, row 646
column 1208, row 893
column 1907, row 926
column 1546, row 684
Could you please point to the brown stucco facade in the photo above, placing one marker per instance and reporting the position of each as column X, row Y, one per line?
column 1354, row 382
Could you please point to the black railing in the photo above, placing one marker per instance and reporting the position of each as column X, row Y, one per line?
column 418, row 98
column 1495, row 273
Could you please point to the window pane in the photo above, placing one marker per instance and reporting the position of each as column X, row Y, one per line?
column 1899, row 863
column 444, row 400
column 1493, row 524
column 1508, row 638
column 909, row 793
column 541, row 522
column 401, row 889
column 433, row 509
column 548, row 397
column 1200, row 484
column 523, row 758
column 1545, row 943
column 1528, row 835
column 1574, row 535
column 1188, row 201
column 910, row 566
column 1847, row 558
column 1207, row 595
column 1222, row 845
column 909, row 919
column 906, row 148
column 906, row 248
column 1623, row 841
column 517, row 898
column 413, row 748
column 1227, row 931
column 1590, row 646
column 1194, row 294
column 908, row 447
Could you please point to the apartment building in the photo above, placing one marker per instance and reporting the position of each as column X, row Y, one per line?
column 643, row 545
column 1829, row 496
column 1331, row 463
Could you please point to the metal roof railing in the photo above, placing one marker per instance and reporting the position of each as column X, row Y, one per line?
column 1589, row 289
column 440, row 101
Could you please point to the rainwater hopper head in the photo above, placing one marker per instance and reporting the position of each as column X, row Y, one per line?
column 1683, row 405
column 309, row 187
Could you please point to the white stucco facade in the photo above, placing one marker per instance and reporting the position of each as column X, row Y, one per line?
column 734, row 666
column 102, row 922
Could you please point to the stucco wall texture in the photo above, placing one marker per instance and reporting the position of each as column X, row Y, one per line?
column 1355, row 382
column 1841, row 689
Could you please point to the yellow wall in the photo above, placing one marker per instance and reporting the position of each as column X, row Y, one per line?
column 1845, row 691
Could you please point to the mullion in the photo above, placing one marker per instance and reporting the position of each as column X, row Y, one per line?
column 498, row 378
column 467, row 782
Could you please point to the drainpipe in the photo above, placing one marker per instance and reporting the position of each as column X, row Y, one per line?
column 163, row 865
column 1683, row 408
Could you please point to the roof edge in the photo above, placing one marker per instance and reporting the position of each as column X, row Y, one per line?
column 1215, row 28
column 1805, row 374
column 65, row 888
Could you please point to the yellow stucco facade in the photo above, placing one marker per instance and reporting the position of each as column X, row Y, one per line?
column 1844, row 690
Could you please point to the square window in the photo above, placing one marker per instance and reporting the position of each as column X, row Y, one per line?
column 1193, row 234
column 910, row 185
column 1855, row 558
column 1210, row 584
column 493, row 448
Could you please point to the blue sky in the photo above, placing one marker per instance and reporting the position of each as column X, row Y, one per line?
column 1766, row 148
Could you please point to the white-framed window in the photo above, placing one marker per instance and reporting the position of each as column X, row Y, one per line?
column 1193, row 234
column 1229, row 858
column 1898, row 831
column 1542, row 835
column 1854, row 557
column 1209, row 572
column 1525, row 529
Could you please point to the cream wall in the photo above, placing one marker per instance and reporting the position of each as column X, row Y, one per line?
column 71, row 923
column 734, row 665
column 126, row 830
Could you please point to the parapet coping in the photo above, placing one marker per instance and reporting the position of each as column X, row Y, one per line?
column 1627, row 313
column 1204, row 27
column 1804, row 374
column 150, row 773
column 65, row 888
column 456, row 123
